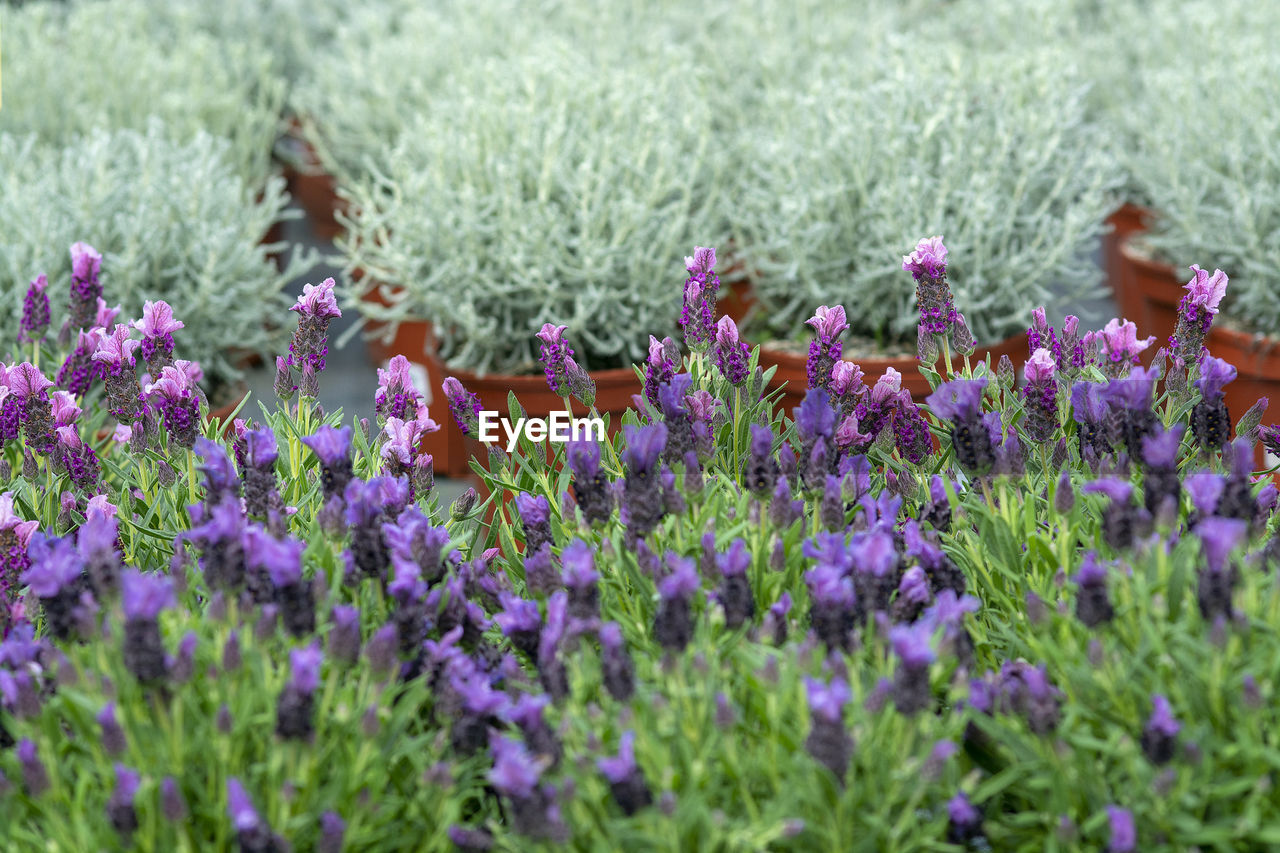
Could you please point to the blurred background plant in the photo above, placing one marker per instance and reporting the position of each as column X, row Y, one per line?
column 173, row 220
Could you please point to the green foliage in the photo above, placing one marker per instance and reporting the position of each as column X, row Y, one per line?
column 116, row 65
column 174, row 222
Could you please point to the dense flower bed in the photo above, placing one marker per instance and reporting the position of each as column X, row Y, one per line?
column 1019, row 616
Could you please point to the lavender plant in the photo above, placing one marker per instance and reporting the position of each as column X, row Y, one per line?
column 722, row 627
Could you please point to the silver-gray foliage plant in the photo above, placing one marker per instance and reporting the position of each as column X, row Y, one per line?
column 174, row 221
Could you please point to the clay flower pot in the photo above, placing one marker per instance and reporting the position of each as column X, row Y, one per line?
column 1127, row 220
column 793, row 376
column 314, row 189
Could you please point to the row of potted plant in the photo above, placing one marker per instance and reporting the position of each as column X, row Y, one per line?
column 723, row 627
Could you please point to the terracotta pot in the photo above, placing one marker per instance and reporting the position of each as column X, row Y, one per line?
column 1256, row 357
column 1127, row 220
column 793, row 377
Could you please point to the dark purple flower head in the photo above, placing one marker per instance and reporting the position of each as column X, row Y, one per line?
column 644, row 446
column 914, row 587
column 172, row 803
column 1162, row 720
column 144, row 595
column 1124, row 835
column 1087, row 402
column 929, row 259
column 331, row 445
column 827, row 701
column 619, row 768
column 731, row 353
column 1091, row 573
column 874, row 553
column 116, row 350
column 556, row 358
column 959, row 399
column 518, row 615
column 219, row 472
column 1219, row 537
column 1206, row 291
column 515, row 773
column 464, row 405
column 26, row 381
column 127, row 783
column 1214, row 374
column 961, row 812
column 261, row 449
column 281, row 559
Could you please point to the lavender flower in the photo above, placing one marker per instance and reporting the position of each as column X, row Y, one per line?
column 1218, row 577
column 1120, row 346
column 698, row 313
column 1210, row 420
column 34, row 776
column 143, row 597
column 113, row 738
column 1124, row 836
column 1041, row 396
column 616, row 666
column 252, row 832
column 332, row 447
column 642, row 498
column 833, row 610
column 928, row 266
column 964, row 820
column 157, row 327
column 1093, row 606
column 1121, row 520
column 332, row 829
column 120, row 810
column 396, row 396
column 29, row 388
column 1161, row 484
column 673, row 622
column 294, row 708
column 1195, row 313
column 660, row 367
column 535, row 515
column 557, row 359
column 590, row 485
column 913, row 645
column 828, row 741
column 626, row 779
column 86, row 289
column 35, row 311
column 515, row 776
column 56, row 577
column 734, row 593
column 580, row 579
column 960, row 401
column 172, row 804
column 174, row 395
column 731, row 353
column 825, row 349
column 464, row 405
column 1160, row 734
column 760, row 469
column 316, row 307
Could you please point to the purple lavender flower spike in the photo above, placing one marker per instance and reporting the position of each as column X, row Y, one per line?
column 556, row 356
column 464, row 405
column 35, row 311
column 626, row 779
column 913, row 645
column 1195, row 313
column 1093, row 605
column 928, row 266
column 964, row 820
column 172, row 803
column 1122, row 521
column 396, row 396
column 35, row 778
column 760, row 469
column 617, row 668
column 86, row 289
column 332, row 446
column 734, row 593
column 120, row 810
column 1041, row 396
column 828, row 741
column 731, row 353
column 1159, row 736
column 535, row 516
column 828, row 323
column 143, row 597
column 295, row 706
column 332, row 830
column 698, row 313
column 1210, row 420
column 673, row 622
column 1124, row 836
column 113, row 738
column 581, row 579
column 974, row 443
column 590, row 484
